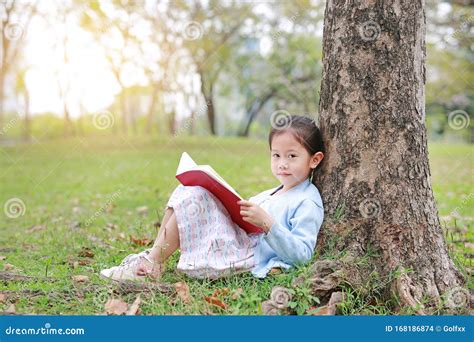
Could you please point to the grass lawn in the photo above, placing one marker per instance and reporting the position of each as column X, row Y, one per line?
column 81, row 198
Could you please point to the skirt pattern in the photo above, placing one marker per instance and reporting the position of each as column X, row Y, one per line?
column 212, row 245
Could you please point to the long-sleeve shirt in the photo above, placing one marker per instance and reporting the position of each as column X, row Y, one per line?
column 298, row 215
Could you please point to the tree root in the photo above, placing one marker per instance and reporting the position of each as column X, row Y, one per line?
column 408, row 293
column 6, row 276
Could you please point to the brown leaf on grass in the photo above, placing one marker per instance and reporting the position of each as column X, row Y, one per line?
column 220, row 292
column 111, row 226
column 85, row 262
column 36, row 228
column 80, row 278
column 29, row 246
column 237, row 293
column 121, row 236
column 86, row 252
column 215, row 301
column 3, row 297
column 141, row 242
column 134, row 309
column 115, row 307
column 11, row 309
column 182, row 290
column 275, row 270
column 8, row 267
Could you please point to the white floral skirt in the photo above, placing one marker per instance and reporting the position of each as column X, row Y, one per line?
column 211, row 244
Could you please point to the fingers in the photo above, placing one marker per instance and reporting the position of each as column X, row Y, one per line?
column 245, row 203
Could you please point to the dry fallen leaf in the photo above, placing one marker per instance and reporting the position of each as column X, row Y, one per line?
column 182, row 289
column 8, row 267
column 134, row 308
column 115, row 307
column 3, row 297
column 11, row 309
column 141, row 242
column 275, row 270
column 80, row 278
column 86, row 252
column 85, row 262
column 220, row 292
column 36, row 228
column 237, row 293
column 215, row 301
column 111, row 226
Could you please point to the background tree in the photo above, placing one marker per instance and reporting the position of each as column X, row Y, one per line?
column 372, row 116
column 15, row 18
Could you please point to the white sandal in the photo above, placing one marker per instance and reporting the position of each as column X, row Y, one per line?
column 127, row 270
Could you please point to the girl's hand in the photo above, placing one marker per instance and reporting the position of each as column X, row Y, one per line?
column 254, row 214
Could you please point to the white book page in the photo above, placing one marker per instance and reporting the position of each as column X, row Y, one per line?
column 186, row 163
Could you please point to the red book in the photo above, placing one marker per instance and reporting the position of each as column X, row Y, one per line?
column 191, row 174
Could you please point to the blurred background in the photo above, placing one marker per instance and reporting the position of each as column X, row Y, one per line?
column 160, row 68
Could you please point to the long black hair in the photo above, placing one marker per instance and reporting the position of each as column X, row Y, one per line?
column 304, row 130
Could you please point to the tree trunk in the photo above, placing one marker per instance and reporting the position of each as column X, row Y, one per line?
column 123, row 110
column 68, row 129
column 27, row 129
column 172, row 123
column 208, row 97
column 253, row 111
column 2, row 107
column 151, row 110
column 376, row 169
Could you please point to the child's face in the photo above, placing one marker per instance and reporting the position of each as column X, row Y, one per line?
column 290, row 161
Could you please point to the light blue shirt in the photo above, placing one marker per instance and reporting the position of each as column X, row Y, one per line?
column 298, row 215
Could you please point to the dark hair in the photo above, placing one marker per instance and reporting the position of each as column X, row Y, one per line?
column 303, row 129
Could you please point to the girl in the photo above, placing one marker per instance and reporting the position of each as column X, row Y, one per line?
column 213, row 246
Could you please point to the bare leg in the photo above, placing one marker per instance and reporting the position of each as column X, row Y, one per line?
column 168, row 213
column 165, row 244
column 167, row 240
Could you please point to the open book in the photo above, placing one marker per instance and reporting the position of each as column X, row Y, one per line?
column 191, row 174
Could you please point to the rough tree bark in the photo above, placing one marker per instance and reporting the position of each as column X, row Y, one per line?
column 376, row 170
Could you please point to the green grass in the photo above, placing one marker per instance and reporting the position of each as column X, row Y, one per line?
column 67, row 183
